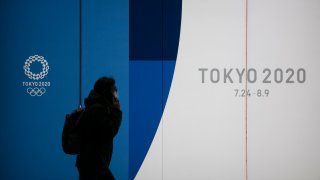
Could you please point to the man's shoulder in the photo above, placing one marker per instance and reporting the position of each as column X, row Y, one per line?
column 96, row 108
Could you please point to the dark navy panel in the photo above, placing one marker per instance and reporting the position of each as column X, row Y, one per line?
column 171, row 28
column 154, row 29
column 145, row 99
column 145, row 29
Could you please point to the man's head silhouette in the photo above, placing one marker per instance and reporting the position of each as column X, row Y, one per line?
column 106, row 87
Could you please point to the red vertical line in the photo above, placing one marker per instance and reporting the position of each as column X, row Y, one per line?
column 246, row 90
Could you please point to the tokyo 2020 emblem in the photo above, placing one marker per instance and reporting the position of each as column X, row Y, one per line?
column 36, row 76
column 36, row 88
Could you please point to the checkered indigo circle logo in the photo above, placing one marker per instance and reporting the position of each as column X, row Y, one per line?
column 36, row 76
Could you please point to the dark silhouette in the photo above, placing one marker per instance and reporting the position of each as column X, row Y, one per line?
column 100, row 125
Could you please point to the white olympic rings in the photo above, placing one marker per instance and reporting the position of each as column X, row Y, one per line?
column 36, row 91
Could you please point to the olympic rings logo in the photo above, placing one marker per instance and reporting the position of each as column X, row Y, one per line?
column 36, row 76
column 36, row 91
column 36, row 88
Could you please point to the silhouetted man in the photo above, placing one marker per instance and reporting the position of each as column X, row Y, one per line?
column 100, row 125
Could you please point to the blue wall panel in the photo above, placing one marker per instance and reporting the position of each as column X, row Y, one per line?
column 154, row 39
column 30, row 127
